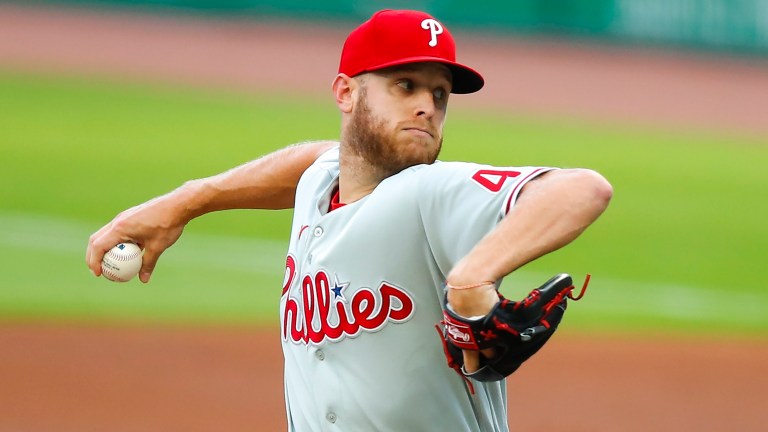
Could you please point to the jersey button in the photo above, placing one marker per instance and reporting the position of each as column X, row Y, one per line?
column 331, row 417
column 320, row 355
column 318, row 232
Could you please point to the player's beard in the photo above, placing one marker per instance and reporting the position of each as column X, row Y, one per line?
column 366, row 136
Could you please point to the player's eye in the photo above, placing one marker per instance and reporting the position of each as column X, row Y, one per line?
column 439, row 93
column 405, row 84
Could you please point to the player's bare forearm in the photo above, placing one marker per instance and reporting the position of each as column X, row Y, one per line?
column 551, row 212
column 265, row 183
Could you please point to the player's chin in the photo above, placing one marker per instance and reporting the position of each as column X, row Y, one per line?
column 424, row 151
column 420, row 143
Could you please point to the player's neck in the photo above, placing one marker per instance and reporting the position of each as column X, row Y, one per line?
column 357, row 178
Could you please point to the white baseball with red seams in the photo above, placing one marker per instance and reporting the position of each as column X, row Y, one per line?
column 362, row 294
column 122, row 262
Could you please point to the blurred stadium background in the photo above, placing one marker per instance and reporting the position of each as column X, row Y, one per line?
column 105, row 104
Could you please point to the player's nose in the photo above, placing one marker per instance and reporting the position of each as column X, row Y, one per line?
column 424, row 104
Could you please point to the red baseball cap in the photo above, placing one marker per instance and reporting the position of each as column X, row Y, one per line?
column 397, row 37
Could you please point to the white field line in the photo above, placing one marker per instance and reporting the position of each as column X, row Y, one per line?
column 619, row 299
column 607, row 297
column 32, row 232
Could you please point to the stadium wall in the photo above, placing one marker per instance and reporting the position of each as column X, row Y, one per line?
column 718, row 25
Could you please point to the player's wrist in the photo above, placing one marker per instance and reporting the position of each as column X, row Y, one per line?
column 469, row 286
column 471, row 274
column 473, row 302
column 191, row 200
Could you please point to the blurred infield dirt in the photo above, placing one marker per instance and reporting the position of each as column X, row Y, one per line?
column 62, row 378
column 80, row 378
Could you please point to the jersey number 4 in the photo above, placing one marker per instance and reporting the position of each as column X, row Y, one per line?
column 493, row 180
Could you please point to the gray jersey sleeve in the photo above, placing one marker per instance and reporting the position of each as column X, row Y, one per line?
column 461, row 202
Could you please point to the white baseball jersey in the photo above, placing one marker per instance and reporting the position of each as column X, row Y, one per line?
column 362, row 295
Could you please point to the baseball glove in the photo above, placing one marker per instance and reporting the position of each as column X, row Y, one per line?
column 515, row 330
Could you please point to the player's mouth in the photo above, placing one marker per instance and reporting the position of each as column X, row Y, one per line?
column 419, row 132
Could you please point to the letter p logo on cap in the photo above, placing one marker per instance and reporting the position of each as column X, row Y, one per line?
column 434, row 28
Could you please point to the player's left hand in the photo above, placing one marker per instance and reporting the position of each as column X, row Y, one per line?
column 509, row 334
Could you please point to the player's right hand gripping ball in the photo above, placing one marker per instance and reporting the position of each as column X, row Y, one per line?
column 122, row 262
column 515, row 330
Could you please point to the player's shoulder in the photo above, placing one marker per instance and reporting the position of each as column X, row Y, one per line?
column 440, row 168
column 435, row 179
column 448, row 177
column 445, row 173
column 320, row 174
column 328, row 157
column 326, row 163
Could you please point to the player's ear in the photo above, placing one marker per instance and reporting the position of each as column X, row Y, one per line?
column 343, row 88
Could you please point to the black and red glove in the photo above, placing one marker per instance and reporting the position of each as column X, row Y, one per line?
column 515, row 330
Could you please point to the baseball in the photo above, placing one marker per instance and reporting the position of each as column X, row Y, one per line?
column 122, row 262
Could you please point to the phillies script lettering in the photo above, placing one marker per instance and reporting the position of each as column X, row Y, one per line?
column 322, row 312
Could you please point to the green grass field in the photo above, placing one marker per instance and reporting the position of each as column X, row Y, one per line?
column 681, row 248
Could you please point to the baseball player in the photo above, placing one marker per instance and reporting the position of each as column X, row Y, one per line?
column 387, row 242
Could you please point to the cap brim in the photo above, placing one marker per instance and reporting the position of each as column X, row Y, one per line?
column 465, row 79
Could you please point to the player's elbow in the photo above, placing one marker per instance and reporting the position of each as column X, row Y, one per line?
column 596, row 188
column 601, row 188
